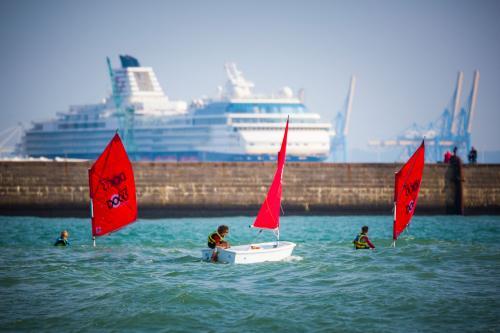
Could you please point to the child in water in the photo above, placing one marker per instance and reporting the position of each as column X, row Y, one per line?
column 361, row 241
column 63, row 239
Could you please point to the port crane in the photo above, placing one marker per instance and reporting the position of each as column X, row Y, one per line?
column 338, row 141
column 9, row 140
column 452, row 129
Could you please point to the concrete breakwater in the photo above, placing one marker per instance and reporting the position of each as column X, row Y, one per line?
column 204, row 189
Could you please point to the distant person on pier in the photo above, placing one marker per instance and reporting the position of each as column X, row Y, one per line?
column 63, row 239
column 447, row 157
column 455, row 159
column 216, row 239
column 473, row 156
column 362, row 241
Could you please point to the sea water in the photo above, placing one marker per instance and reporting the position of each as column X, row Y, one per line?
column 443, row 275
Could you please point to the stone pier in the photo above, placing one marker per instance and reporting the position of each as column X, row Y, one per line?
column 208, row 189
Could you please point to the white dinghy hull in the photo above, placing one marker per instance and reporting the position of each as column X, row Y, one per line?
column 251, row 253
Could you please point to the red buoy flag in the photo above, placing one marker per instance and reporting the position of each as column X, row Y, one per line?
column 112, row 190
column 407, row 186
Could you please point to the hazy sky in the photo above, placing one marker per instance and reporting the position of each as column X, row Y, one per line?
column 405, row 54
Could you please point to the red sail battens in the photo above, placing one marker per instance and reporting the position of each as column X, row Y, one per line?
column 407, row 186
column 112, row 190
column 269, row 213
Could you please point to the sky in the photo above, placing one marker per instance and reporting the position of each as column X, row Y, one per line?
column 405, row 55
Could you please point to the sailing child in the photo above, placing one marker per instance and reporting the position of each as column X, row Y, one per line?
column 216, row 239
column 361, row 241
column 63, row 239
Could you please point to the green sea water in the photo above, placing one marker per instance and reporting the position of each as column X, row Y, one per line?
column 444, row 275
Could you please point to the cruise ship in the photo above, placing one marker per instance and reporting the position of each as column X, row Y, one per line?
column 235, row 125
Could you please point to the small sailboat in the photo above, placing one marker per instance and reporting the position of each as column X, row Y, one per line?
column 267, row 218
column 112, row 190
column 406, row 188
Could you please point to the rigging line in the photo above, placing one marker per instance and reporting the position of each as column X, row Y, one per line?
column 258, row 234
column 281, row 202
column 407, row 229
column 9, row 136
column 8, row 129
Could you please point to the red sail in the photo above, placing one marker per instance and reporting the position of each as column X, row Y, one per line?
column 112, row 190
column 269, row 213
column 407, row 186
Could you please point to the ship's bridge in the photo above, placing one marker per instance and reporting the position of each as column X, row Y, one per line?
column 137, row 86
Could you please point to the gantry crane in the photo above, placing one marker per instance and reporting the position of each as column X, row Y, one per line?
column 452, row 129
column 338, row 142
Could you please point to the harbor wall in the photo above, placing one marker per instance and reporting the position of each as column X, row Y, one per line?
column 203, row 189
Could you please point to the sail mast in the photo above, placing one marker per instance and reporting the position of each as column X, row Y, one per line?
column 395, row 212
column 92, row 213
